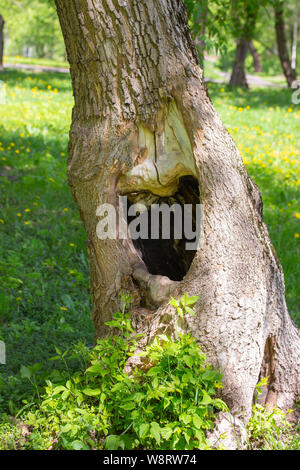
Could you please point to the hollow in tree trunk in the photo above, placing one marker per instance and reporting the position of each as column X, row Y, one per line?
column 289, row 72
column 143, row 126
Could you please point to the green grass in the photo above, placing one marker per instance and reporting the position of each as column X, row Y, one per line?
column 44, row 298
column 44, row 275
column 276, row 79
column 265, row 126
column 34, row 61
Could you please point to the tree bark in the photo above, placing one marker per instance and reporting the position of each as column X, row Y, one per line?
column 238, row 75
column 289, row 72
column 144, row 126
column 256, row 59
column 1, row 41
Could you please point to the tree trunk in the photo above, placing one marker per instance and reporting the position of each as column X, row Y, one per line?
column 238, row 75
column 283, row 53
column 294, row 45
column 243, row 23
column 256, row 59
column 1, row 41
column 144, row 126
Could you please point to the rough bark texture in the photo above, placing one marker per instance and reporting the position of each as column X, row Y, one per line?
column 1, row 41
column 256, row 59
column 238, row 75
column 142, row 120
column 289, row 72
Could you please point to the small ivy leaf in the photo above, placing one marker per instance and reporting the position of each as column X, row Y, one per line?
column 192, row 300
column 197, row 421
column 128, row 406
column 92, row 392
column 166, row 432
column 58, row 389
column 155, row 432
column 113, row 442
column 189, row 310
column 206, row 400
column 25, row 372
column 180, row 312
column 184, row 299
column 143, row 430
column 174, row 302
column 78, row 445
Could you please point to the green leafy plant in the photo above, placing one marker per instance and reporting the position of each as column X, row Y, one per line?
column 269, row 428
column 183, row 307
column 168, row 403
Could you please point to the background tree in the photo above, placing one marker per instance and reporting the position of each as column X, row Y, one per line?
column 1, row 41
column 32, row 29
column 289, row 72
column 143, row 126
column 243, row 30
column 256, row 58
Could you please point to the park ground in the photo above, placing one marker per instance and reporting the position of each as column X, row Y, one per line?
column 44, row 289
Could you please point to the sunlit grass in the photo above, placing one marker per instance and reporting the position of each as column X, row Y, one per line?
column 44, row 287
column 265, row 125
column 34, row 61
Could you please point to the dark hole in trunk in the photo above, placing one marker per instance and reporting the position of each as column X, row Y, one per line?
column 167, row 255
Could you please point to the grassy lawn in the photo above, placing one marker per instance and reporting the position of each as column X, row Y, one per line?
column 44, row 298
column 265, row 127
column 44, row 286
column 33, row 61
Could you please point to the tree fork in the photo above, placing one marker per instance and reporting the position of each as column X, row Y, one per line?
column 142, row 126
